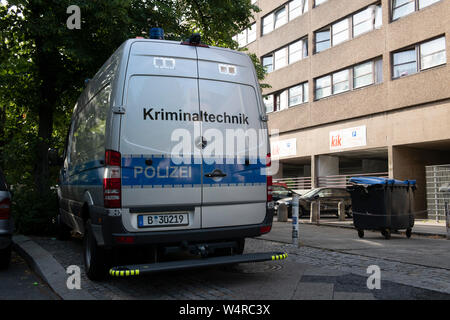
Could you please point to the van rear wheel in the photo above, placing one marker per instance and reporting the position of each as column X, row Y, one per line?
column 95, row 257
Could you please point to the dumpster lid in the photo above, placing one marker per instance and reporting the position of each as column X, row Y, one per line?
column 379, row 180
column 445, row 188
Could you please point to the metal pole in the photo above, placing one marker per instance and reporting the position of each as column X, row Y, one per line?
column 447, row 219
column 295, row 198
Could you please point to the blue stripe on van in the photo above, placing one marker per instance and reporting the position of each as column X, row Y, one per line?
column 163, row 172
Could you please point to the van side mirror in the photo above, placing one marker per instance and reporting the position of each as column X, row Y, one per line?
column 54, row 159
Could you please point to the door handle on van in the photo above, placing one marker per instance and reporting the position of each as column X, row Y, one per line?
column 216, row 174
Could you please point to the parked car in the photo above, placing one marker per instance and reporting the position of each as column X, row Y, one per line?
column 6, row 223
column 280, row 191
column 329, row 200
column 282, row 194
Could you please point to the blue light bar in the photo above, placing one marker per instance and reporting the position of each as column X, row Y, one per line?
column 157, row 33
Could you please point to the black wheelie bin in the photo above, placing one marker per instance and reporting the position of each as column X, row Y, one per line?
column 382, row 204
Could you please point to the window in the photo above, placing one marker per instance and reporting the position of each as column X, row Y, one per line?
column 268, row 102
column 88, row 130
column 367, row 20
column 281, row 100
column 297, row 8
column 298, row 94
column 242, row 38
column 323, row 40
column 405, row 63
column 286, row 55
column 317, row 2
column 323, row 87
column 251, row 33
column 298, row 50
column 247, row 36
column 340, row 31
column 283, row 15
column 325, row 193
column 358, row 76
column 287, row 98
column 341, row 81
column 361, row 22
column 295, row 51
column 401, row 8
column 280, row 58
column 430, row 54
column 280, row 17
column 363, row 75
column 268, row 63
column 281, row 192
column 426, row 3
column 267, row 24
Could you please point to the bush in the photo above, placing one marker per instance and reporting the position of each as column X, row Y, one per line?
column 34, row 213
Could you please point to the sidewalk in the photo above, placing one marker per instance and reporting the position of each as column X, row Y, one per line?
column 418, row 250
column 421, row 227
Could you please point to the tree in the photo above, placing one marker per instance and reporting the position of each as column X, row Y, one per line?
column 44, row 63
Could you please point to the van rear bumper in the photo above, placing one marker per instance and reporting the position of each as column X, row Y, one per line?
column 111, row 233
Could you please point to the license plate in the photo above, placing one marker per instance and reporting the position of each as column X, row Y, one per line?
column 163, row 220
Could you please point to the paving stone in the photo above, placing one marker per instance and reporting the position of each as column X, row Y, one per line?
column 314, row 291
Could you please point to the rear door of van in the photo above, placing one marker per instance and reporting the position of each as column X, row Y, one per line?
column 160, row 100
column 234, row 188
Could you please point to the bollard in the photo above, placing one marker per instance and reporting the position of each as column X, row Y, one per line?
column 282, row 213
column 295, row 198
column 341, row 211
column 447, row 220
column 315, row 212
column 446, row 188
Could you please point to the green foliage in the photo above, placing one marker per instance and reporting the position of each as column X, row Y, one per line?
column 34, row 213
column 43, row 66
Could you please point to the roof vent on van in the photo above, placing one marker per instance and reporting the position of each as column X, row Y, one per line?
column 157, row 33
column 195, row 40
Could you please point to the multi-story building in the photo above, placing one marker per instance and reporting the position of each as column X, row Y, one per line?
column 358, row 87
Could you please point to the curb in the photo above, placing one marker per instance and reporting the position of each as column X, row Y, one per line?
column 418, row 233
column 48, row 268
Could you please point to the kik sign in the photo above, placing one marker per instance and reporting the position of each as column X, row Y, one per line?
column 348, row 138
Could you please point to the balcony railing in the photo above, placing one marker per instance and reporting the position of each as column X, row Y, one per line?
column 305, row 183
column 343, row 180
column 299, row 183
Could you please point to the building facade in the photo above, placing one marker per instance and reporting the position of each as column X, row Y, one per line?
column 358, row 87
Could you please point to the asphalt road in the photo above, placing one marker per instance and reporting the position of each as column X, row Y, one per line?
column 19, row 282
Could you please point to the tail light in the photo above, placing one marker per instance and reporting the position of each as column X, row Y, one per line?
column 112, row 183
column 269, row 178
column 5, row 209
column 125, row 239
column 265, row 229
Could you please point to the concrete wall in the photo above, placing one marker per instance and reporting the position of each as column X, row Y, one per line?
column 327, row 166
column 409, row 163
column 419, row 124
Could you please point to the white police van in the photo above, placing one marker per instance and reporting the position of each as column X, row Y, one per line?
column 123, row 184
